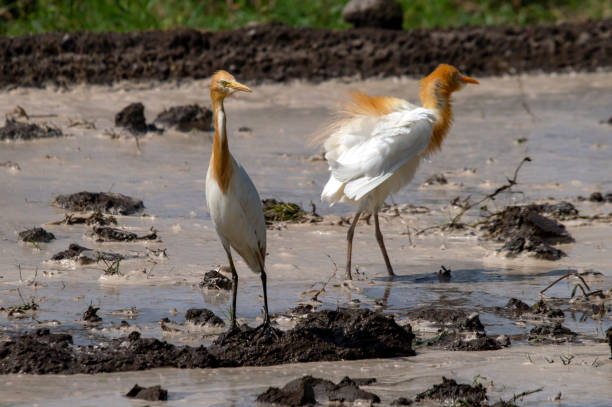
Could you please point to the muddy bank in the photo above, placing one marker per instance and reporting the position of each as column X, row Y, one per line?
column 279, row 53
column 321, row 336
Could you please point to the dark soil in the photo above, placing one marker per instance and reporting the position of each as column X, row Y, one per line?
column 609, row 336
column 83, row 255
column 214, row 280
column 96, row 218
column 91, row 315
column 309, row 390
column 321, row 336
column 38, row 235
column 524, row 229
column 109, row 234
column 439, row 179
column 517, row 308
column 450, row 392
column 560, row 210
column 15, row 130
column 153, row 393
column 551, row 333
column 132, row 118
column 402, row 401
column 458, row 330
column 186, row 118
column 599, row 197
column 274, row 52
column 105, row 202
column 203, row 316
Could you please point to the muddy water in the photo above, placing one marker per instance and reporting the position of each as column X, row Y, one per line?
column 559, row 116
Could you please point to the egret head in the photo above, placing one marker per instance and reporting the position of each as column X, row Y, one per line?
column 224, row 84
column 447, row 79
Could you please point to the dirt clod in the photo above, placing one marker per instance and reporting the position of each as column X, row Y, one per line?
column 609, row 336
column 450, row 392
column 186, row 118
column 203, row 316
column 96, row 218
column 91, row 314
column 402, row 401
column 523, row 229
column 109, row 234
column 16, row 130
column 309, row 390
column 132, row 118
column 214, row 280
column 439, row 179
column 38, row 235
column 83, row 255
column 320, row 336
column 105, row 202
column 153, row 393
column 551, row 333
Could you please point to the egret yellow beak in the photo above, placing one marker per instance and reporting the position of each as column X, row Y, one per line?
column 239, row 86
column 467, row 79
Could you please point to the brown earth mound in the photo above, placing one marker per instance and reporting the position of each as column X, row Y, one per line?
column 278, row 53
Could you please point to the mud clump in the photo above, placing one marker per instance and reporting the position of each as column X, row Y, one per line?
column 278, row 211
column 38, row 235
column 450, row 391
column 96, row 218
column 214, row 280
column 439, row 179
column 559, row 210
column 109, row 234
column 91, row 315
column 457, row 330
column 599, row 197
column 83, row 255
column 39, row 352
column 609, row 336
column 153, row 393
column 517, row 308
column 186, row 118
column 15, row 130
column 542, row 308
column 523, row 229
column 203, row 316
column 310, row 390
column 551, row 333
column 104, row 202
column 320, row 336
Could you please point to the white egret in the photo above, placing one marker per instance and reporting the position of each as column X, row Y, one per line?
column 377, row 143
column 233, row 201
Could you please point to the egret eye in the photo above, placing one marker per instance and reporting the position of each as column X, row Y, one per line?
column 224, row 83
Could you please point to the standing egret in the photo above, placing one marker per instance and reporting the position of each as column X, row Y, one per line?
column 233, row 201
column 377, row 144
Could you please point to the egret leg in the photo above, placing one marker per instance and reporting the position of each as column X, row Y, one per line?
column 381, row 243
column 265, row 293
column 234, row 287
column 349, row 245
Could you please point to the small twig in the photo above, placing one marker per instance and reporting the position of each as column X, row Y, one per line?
column 524, row 99
column 573, row 273
column 316, row 295
column 525, row 393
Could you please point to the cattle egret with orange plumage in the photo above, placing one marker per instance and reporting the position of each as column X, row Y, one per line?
column 377, row 144
column 233, row 201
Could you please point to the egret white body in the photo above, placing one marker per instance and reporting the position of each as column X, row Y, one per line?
column 376, row 146
column 233, row 201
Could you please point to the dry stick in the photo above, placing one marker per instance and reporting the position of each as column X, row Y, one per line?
column 455, row 221
column 566, row 276
column 525, row 393
column 316, row 295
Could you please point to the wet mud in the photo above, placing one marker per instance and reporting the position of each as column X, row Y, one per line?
column 551, row 333
column 449, row 391
column 214, row 280
column 105, row 202
column 153, row 393
column 203, row 316
column 321, row 336
column 110, row 234
column 132, row 118
column 275, row 52
column 598, row 197
column 96, row 218
column 609, row 337
column 38, row 235
column 83, row 255
column 525, row 229
column 310, row 390
column 16, row 130
column 456, row 330
column 186, row 118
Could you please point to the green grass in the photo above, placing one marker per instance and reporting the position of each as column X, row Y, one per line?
column 19, row 17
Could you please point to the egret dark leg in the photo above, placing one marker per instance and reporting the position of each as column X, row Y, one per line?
column 234, row 287
column 381, row 243
column 349, row 246
column 265, row 293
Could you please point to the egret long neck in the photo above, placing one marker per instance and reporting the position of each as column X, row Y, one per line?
column 220, row 161
column 438, row 98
